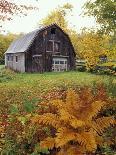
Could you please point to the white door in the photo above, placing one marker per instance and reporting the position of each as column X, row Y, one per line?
column 59, row 64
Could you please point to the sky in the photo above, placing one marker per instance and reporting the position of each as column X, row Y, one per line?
column 32, row 20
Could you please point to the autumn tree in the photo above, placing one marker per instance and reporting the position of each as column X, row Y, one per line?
column 58, row 16
column 91, row 45
column 10, row 8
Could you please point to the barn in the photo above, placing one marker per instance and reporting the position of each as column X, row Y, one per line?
column 43, row 50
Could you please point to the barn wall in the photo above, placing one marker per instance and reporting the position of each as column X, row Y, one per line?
column 39, row 47
column 12, row 64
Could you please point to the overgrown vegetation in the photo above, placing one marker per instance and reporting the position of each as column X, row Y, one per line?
column 56, row 123
column 25, row 96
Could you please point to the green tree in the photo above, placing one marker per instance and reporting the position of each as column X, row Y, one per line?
column 5, row 41
column 105, row 13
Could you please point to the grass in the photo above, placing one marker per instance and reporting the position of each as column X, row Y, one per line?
column 1, row 66
column 48, row 81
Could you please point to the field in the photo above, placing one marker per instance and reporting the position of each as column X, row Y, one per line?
column 21, row 95
column 47, row 81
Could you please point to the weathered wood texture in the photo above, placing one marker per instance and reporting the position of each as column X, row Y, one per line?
column 42, row 46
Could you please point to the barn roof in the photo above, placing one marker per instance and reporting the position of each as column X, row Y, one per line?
column 23, row 43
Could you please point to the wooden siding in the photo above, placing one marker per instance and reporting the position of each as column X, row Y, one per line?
column 12, row 64
column 36, row 63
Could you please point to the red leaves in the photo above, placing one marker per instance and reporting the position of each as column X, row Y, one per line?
column 7, row 9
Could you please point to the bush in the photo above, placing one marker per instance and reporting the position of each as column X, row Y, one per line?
column 6, row 74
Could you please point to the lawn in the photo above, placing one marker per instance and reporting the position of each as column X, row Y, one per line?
column 47, row 81
column 1, row 66
column 42, row 83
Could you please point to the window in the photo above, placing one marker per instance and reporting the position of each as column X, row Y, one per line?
column 56, row 46
column 53, row 31
column 59, row 64
column 11, row 58
column 8, row 58
column 50, row 46
column 16, row 58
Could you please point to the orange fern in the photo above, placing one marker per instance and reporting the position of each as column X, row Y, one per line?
column 76, row 122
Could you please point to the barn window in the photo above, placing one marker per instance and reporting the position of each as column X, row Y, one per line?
column 59, row 64
column 50, row 46
column 16, row 58
column 56, row 46
column 11, row 58
column 53, row 31
column 8, row 58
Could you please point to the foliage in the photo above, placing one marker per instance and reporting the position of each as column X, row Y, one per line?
column 58, row 16
column 104, row 12
column 91, row 45
column 6, row 75
column 5, row 41
column 77, row 122
column 22, row 96
column 10, row 8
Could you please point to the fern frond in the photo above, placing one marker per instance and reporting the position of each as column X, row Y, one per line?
column 65, row 115
column 73, row 150
column 86, row 95
column 57, row 103
column 63, row 136
column 72, row 100
column 101, row 124
column 92, row 110
column 47, row 119
column 87, row 140
column 75, row 123
column 48, row 143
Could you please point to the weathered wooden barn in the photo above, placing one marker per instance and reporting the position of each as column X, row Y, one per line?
column 43, row 50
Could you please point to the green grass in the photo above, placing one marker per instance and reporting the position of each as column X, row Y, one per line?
column 1, row 66
column 21, row 88
column 48, row 81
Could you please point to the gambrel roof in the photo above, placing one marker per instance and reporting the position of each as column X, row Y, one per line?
column 23, row 43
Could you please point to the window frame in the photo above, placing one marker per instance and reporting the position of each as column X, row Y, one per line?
column 58, row 67
column 16, row 58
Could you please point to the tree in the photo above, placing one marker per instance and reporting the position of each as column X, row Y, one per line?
column 8, row 9
column 105, row 13
column 58, row 16
column 91, row 45
column 5, row 41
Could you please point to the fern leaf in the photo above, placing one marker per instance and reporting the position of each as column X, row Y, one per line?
column 58, row 103
column 87, row 140
column 50, row 119
column 63, row 136
column 101, row 124
column 48, row 143
column 73, row 150
column 47, row 119
column 75, row 123
column 72, row 100
column 65, row 115
column 92, row 110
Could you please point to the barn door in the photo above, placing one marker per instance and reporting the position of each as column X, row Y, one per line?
column 37, row 63
column 49, row 62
